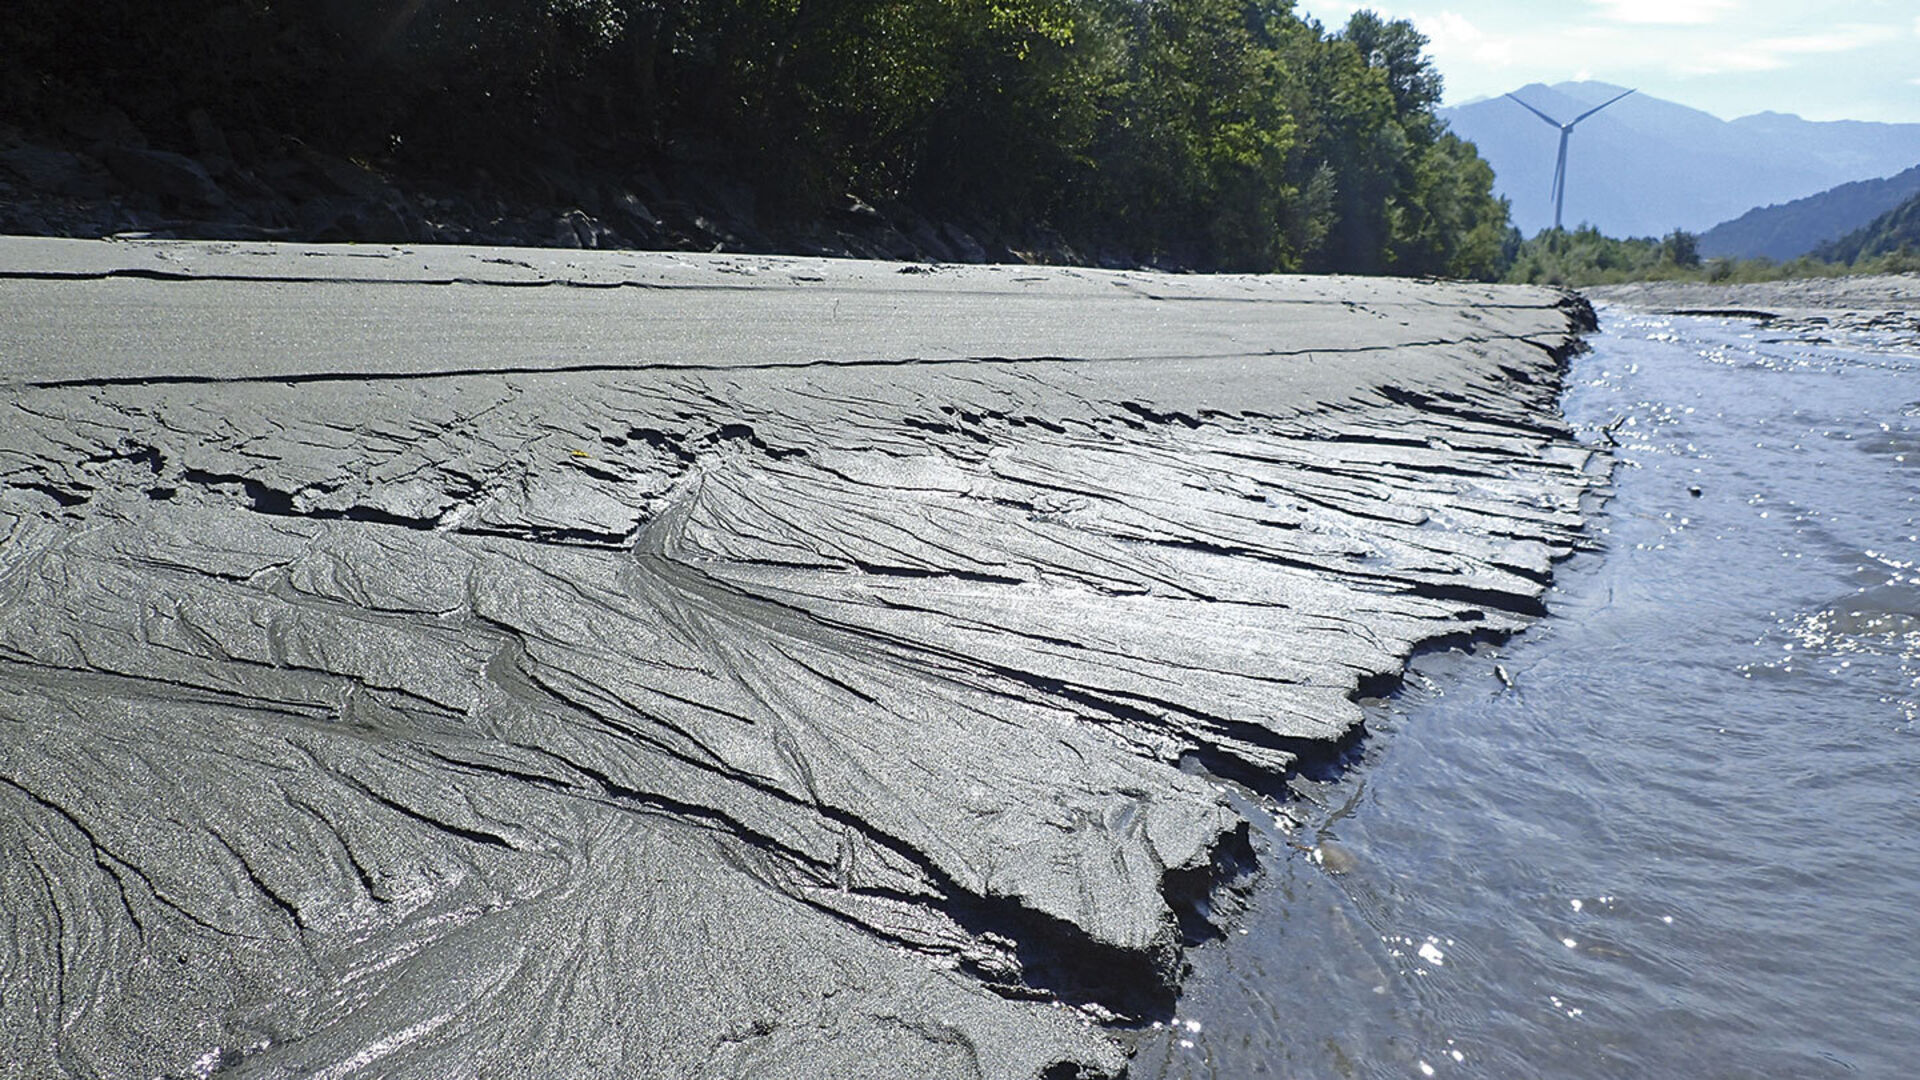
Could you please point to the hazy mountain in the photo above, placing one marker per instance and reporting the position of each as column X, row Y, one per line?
column 1646, row 166
column 1896, row 230
column 1792, row 229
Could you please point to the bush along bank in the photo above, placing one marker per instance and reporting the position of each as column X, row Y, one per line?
column 1585, row 257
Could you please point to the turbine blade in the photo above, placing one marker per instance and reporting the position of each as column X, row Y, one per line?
column 1597, row 108
column 1536, row 112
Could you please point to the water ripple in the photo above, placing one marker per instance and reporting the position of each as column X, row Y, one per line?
column 1670, row 831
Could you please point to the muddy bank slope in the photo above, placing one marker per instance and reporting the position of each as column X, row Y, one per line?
column 439, row 661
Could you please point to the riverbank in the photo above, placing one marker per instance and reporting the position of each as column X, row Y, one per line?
column 427, row 660
column 1884, row 307
column 1628, row 840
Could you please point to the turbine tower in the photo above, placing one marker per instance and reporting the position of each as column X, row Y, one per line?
column 1560, row 167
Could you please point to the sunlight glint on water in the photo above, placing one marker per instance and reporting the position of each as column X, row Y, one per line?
column 1685, row 841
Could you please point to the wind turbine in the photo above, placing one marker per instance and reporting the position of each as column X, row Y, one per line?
column 1560, row 167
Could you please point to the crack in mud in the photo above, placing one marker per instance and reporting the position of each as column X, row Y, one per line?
column 737, row 717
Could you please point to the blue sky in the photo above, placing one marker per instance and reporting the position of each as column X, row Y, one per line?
column 1831, row 60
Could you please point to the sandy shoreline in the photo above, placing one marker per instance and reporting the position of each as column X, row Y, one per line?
column 419, row 662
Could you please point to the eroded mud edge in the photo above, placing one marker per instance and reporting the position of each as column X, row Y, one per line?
column 632, row 705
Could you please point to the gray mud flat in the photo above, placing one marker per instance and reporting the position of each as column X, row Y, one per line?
column 476, row 662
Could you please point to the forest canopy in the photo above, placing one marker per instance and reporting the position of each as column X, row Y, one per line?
column 1221, row 134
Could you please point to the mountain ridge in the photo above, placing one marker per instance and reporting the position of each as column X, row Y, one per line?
column 1896, row 230
column 1783, row 231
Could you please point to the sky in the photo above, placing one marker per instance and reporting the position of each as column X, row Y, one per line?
column 1821, row 59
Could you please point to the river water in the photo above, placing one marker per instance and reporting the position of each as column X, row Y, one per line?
column 1673, row 830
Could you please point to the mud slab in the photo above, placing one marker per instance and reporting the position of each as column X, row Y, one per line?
column 433, row 662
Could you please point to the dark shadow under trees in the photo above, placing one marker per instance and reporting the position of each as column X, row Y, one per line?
column 1218, row 134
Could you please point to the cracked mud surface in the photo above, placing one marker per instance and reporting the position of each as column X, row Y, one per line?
column 478, row 662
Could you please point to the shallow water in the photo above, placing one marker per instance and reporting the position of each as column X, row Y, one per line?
column 1673, row 829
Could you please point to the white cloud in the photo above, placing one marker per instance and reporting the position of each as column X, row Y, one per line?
column 1733, row 61
column 1664, row 12
column 1488, row 57
column 1773, row 54
column 1452, row 37
column 1845, row 39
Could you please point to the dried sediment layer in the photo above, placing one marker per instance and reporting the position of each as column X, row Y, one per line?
column 456, row 662
column 1878, row 310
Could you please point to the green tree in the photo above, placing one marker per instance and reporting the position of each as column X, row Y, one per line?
column 1681, row 248
column 1218, row 133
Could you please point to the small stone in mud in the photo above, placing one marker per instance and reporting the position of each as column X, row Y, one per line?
column 1334, row 858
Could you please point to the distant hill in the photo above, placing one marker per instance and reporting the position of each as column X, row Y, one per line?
column 1646, row 166
column 1790, row 230
column 1896, row 230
